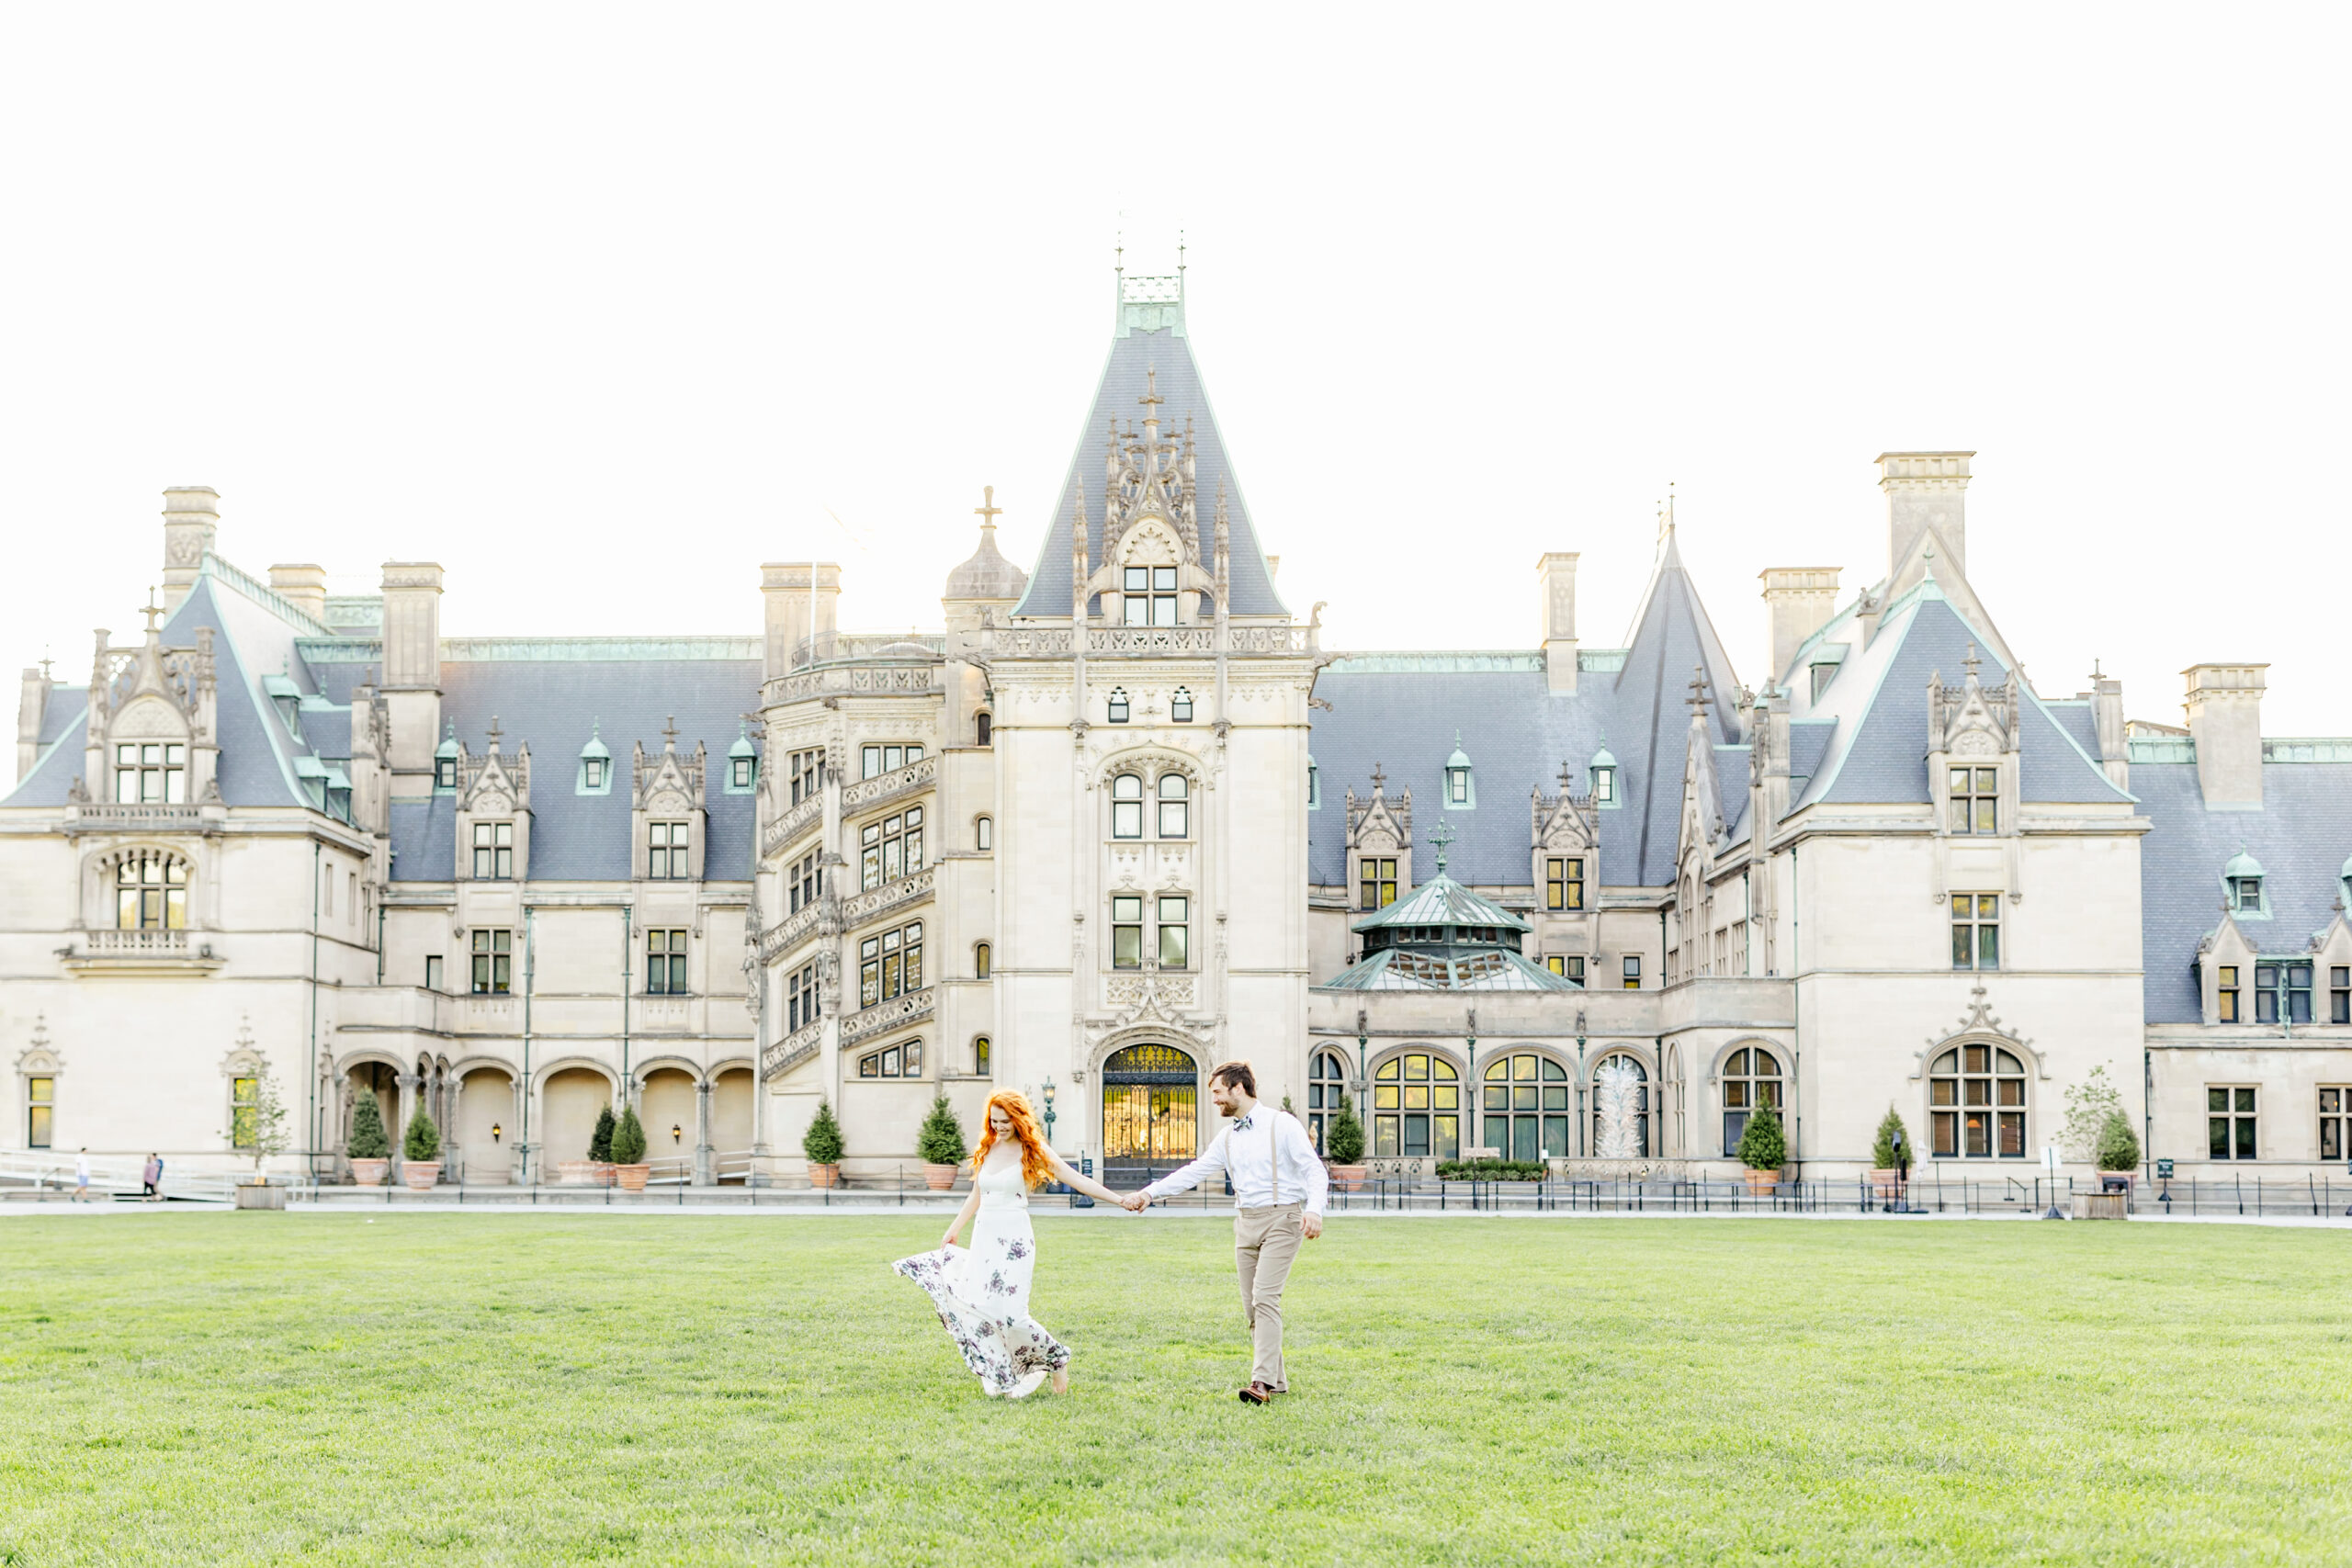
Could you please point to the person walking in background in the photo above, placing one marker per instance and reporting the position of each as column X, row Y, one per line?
column 152, row 1176
column 1268, row 1154
column 81, row 1176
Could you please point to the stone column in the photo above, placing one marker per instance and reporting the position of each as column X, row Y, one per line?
column 453, row 1154
column 703, row 1174
column 410, row 1083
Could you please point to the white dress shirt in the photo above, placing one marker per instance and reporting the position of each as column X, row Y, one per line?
column 1249, row 1151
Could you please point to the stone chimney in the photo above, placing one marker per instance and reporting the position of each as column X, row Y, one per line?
column 411, row 688
column 2225, row 720
column 792, row 590
column 1926, row 492
column 1556, row 584
column 304, row 587
column 191, row 514
column 33, row 708
column 1800, row 600
column 2114, row 742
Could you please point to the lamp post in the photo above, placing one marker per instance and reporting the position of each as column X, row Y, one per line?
column 1902, row 1175
column 1049, row 1112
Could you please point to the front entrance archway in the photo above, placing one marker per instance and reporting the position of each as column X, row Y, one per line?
column 1151, row 1111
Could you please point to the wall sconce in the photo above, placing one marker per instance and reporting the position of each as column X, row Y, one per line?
column 496, row 1132
column 677, row 1134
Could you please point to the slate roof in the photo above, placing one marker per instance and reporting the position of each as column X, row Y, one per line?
column 1133, row 351
column 2301, row 836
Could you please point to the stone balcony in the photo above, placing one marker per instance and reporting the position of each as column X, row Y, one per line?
column 868, row 793
column 866, row 1023
column 792, row 1050
column 97, row 817
column 156, row 951
column 784, row 830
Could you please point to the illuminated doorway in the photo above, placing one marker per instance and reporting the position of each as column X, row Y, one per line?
column 1151, row 1107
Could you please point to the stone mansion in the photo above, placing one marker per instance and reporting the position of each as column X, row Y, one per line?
column 1122, row 816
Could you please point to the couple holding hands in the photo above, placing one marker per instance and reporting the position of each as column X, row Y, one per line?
column 982, row 1292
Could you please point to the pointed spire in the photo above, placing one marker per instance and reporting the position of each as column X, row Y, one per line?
column 152, row 610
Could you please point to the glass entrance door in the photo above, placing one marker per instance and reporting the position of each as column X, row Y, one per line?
column 1150, row 1106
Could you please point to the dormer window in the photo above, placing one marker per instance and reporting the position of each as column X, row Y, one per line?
column 1180, row 706
column 1461, row 789
column 1151, row 597
column 1118, row 707
column 150, row 773
column 593, row 772
column 2242, row 881
column 445, row 760
column 1604, row 777
column 1975, row 800
column 596, row 764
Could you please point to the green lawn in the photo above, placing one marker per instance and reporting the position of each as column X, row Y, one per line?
column 441, row 1388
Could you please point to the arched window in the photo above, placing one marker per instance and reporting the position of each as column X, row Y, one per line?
column 983, row 957
column 1527, row 1107
column 1126, row 806
column 40, row 1109
column 1620, row 1108
column 1416, row 1109
column 982, row 1056
column 986, row 729
column 1327, row 1080
column 1175, row 806
column 151, row 891
column 1117, row 713
column 1976, row 1103
column 984, row 833
column 1751, row 1078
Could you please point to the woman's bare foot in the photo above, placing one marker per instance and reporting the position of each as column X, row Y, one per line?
column 1061, row 1380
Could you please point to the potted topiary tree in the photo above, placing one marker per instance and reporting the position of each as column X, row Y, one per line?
column 820, row 1145
column 629, row 1166
column 1886, row 1180
column 596, row 1169
column 421, row 1153
column 1763, row 1150
column 2118, row 1155
column 940, row 1144
column 370, row 1148
column 1343, row 1147
column 259, row 1129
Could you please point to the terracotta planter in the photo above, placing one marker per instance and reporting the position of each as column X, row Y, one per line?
column 1761, row 1183
column 603, row 1172
column 1349, row 1178
column 1886, row 1186
column 576, row 1173
column 421, row 1175
column 631, row 1177
column 369, row 1172
column 824, row 1174
column 940, row 1178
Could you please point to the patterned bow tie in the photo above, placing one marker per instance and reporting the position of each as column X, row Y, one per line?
column 1242, row 1125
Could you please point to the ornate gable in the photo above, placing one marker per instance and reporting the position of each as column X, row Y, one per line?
column 1972, row 720
column 1380, row 825
column 1562, row 824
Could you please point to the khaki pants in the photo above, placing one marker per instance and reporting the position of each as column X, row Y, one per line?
column 1265, row 1242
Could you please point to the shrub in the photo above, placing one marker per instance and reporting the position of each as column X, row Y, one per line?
column 1763, row 1147
column 1492, row 1170
column 600, row 1142
column 421, row 1141
column 629, row 1139
column 821, row 1143
column 2119, row 1146
column 368, row 1139
column 1343, row 1135
column 942, row 1139
column 1882, row 1150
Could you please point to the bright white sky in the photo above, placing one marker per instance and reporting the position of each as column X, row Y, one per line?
column 602, row 307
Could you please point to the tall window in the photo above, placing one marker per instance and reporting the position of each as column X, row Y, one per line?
column 890, row 965
column 983, row 960
column 1126, row 930
column 2229, row 1121
column 493, row 956
column 1377, row 884
column 1976, row 930
column 1180, row 706
column 445, row 772
column 804, row 767
column 1175, row 930
column 1976, row 1104
column 433, row 971
column 890, row 848
column 1641, row 1106
column 665, row 852
column 1150, row 592
column 1751, row 1078
column 1327, row 1081
column 1975, row 800
column 150, row 773
column 982, row 1056
column 897, row 1062
column 876, row 760
column 984, row 728
column 1631, row 970
column 1527, row 1108
column 2282, row 991
column 1416, row 1109
column 984, row 834
column 2339, row 995
column 244, row 1112
column 592, row 772
column 2226, row 993
column 1126, row 806
column 494, row 852
column 1175, row 806
column 1566, row 965
column 151, row 891
column 1564, row 883
column 40, row 1112
column 2334, row 1123
column 803, row 881
column 801, row 998
column 665, row 963
column 1116, row 711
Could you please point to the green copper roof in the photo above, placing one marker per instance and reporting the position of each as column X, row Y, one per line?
column 1401, row 969
column 1442, row 901
column 2245, row 864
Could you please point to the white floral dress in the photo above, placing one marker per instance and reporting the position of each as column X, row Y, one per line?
column 982, row 1290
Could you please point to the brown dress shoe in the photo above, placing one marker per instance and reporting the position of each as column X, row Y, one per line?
column 1256, row 1394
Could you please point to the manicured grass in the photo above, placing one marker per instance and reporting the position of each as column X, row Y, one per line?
column 440, row 1388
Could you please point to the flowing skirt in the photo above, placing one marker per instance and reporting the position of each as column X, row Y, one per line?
column 982, row 1294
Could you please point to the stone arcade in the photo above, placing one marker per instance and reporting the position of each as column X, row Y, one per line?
column 1123, row 816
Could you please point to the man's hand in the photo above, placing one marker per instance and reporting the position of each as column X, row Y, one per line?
column 1312, row 1224
column 1136, row 1202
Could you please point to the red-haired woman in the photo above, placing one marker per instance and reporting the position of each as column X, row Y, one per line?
column 982, row 1294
